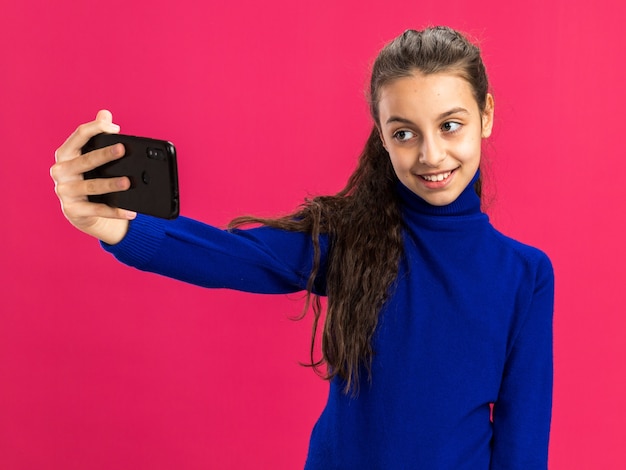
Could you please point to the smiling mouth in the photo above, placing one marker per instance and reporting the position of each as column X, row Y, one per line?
column 437, row 177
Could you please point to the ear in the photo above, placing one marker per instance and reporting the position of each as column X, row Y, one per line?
column 487, row 117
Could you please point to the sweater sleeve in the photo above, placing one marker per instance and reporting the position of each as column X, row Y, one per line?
column 522, row 412
column 260, row 260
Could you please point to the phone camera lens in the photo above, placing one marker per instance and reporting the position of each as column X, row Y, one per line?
column 155, row 153
column 145, row 177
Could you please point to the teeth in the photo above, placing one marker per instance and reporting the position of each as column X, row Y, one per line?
column 439, row 177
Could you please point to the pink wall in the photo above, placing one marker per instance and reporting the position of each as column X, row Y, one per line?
column 104, row 367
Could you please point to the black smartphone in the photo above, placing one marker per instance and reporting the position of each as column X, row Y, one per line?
column 150, row 164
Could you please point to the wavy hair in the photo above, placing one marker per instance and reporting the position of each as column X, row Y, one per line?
column 363, row 221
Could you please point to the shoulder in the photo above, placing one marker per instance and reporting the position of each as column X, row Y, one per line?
column 530, row 279
column 536, row 266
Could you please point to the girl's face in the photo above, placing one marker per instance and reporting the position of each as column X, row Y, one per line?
column 432, row 128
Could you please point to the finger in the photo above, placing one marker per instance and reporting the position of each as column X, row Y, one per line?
column 91, row 187
column 100, row 186
column 73, row 144
column 97, row 158
column 104, row 115
column 77, row 210
column 70, row 170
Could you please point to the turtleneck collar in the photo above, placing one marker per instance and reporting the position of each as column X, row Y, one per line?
column 468, row 202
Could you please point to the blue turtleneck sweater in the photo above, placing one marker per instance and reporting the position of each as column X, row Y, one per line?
column 468, row 327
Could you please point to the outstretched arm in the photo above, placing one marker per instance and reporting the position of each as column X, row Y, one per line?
column 263, row 259
column 257, row 260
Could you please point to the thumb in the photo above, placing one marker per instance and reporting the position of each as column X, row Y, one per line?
column 104, row 115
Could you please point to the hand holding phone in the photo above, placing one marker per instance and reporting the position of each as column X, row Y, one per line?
column 150, row 165
column 106, row 223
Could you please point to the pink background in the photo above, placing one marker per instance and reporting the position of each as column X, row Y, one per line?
column 104, row 367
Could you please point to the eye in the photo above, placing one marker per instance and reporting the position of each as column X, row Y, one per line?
column 450, row 127
column 403, row 135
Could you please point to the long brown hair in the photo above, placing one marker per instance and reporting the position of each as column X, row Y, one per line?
column 363, row 220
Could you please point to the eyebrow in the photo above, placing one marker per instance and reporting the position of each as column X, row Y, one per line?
column 441, row 116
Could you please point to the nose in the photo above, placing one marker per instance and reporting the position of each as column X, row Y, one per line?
column 431, row 152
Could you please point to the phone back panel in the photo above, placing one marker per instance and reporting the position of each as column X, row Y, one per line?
column 150, row 164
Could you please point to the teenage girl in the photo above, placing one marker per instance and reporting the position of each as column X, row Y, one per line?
column 438, row 332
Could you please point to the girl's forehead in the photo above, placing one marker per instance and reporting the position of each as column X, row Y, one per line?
column 426, row 93
column 441, row 83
